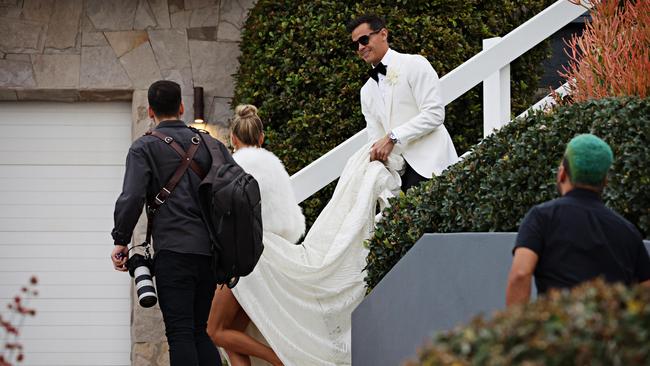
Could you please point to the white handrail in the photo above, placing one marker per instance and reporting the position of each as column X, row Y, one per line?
column 548, row 101
column 325, row 169
column 496, row 95
column 328, row 167
column 543, row 104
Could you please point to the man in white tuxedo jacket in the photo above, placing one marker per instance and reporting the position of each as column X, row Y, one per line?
column 402, row 105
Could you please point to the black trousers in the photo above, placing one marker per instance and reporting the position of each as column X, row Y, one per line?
column 410, row 178
column 185, row 287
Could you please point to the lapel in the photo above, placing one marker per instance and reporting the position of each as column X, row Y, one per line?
column 389, row 102
column 377, row 101
column 393, row 68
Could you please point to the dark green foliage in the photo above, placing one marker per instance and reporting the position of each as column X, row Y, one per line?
column 514, row 169
column 595, row 324
column 297, row 67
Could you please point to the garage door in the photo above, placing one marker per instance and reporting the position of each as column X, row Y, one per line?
column 61, row 167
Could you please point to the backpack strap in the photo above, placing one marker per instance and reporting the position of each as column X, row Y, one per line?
column 170, row 141
column 166, row 191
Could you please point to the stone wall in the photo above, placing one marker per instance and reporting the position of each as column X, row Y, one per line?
column 105, row 50
column 90, row 50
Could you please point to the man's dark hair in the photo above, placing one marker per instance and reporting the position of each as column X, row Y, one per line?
column 567, row 170
column 374, row 21
column 165, row 98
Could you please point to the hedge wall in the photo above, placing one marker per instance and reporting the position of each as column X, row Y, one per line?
column 595, row 324
column 514, row 169
column 297, row 67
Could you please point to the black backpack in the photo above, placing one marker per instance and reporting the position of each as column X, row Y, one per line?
column 232, row 209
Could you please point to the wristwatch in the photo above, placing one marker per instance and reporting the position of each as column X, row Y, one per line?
column 392, row 137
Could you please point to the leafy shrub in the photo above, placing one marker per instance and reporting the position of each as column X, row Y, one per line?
column 297, row 67
column 514, row 169
column 612, row 56
column 595, row 324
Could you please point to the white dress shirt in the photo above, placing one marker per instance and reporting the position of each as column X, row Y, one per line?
column 381, row 83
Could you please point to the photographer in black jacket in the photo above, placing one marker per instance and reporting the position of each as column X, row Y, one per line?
column 182, row 258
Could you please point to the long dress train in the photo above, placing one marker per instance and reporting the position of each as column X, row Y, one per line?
column 301, row 297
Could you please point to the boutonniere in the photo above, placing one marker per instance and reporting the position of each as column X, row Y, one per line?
column 392, row 76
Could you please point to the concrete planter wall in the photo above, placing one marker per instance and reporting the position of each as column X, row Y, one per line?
column 443, row 281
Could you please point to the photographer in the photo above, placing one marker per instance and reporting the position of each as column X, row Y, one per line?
column 182, row 258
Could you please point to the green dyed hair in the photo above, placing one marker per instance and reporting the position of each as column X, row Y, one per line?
column 589, row 159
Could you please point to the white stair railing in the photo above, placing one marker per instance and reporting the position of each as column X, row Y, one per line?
column 481, row 66
column 546, row 102
column 496, row 95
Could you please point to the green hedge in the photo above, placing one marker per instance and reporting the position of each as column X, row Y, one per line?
column 297, row 67
column 595, row 325
column 514, row 169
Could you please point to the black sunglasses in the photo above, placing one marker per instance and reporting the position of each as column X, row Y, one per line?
column 363, row 40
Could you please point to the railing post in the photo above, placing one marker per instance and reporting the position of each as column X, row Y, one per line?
column 496, row 95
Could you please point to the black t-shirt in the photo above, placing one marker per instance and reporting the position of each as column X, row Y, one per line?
column 577, row 238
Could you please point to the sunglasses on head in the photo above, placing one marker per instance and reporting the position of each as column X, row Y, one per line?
column 363, row 40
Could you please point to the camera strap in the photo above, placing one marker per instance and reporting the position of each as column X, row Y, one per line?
column 186, row 162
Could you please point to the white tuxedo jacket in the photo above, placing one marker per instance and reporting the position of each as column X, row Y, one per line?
column 414, row 112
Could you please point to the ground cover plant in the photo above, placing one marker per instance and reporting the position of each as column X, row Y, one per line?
column 595, row 324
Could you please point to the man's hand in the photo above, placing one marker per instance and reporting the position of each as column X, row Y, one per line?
column 381, row 149
column 119, row 256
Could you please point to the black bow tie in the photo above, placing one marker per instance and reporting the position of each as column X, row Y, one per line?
column 379, row 69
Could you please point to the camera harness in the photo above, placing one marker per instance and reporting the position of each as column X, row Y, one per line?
column 166, row 191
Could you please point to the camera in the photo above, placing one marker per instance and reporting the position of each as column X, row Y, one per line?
column 140, row 269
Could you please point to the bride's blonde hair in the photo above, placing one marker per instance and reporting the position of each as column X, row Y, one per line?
column 247, row 125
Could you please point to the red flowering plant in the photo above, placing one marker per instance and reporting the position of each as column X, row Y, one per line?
column 612, row 56
column 10, row 323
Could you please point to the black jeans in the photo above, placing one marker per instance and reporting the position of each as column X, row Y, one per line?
column 186, row 286
column 410, row 178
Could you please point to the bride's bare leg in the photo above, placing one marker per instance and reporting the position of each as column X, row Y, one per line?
column 223, row 313
column 237, row 359
column 239, row 323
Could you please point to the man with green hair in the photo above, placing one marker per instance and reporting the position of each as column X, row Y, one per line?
column 576, row 238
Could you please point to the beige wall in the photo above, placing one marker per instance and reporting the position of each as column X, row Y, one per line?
column 101, row 50
column 79, row 50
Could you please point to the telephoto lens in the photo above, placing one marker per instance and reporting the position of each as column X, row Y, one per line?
column 139, row 268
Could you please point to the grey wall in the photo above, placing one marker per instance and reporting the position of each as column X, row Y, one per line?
column 558, row 59
column 443, row 281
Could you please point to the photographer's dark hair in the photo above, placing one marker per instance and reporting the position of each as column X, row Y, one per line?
column 374, row 21
column 165, row 98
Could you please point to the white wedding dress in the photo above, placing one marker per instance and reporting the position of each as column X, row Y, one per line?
column 301, row 297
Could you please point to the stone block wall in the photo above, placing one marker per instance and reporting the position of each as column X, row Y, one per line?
column 97, row 50
column 107, row 50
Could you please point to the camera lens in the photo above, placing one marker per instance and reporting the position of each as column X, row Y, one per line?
column 139, row 269
column 144, row 285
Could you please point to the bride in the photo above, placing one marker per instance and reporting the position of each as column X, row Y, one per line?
column 300, row 297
